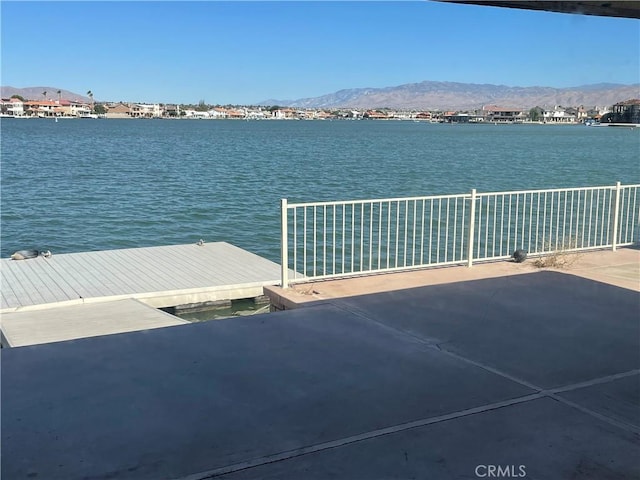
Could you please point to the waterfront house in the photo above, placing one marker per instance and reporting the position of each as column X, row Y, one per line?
column 172, row 110
column 375, row 115
column 217, row 112
column 423, row 116
column 322, row 115
column 256, row 114
column 13, row 107
column 191, row 113
column 236, row 113
column 283, row 114
column 118, row 110
column 143, row 110
column 559, row 115
column 495, row 113
column 41, row 108
column 76, row 109
column 626, row 112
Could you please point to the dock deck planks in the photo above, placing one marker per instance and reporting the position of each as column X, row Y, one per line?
column 144, row 273
column 60, row 324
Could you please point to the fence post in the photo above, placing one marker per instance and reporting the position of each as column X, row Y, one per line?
column 616, row 208
column 284, row 245
column 472, row 222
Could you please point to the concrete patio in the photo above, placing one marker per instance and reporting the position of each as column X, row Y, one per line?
column 500, row 368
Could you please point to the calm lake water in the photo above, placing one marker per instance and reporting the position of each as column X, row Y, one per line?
column 79, row 185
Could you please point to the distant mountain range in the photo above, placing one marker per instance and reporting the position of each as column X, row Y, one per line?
column 429, row 95
column 35, row 93
column 425, row 95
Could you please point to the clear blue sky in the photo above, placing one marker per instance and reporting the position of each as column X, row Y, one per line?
column 247, row 52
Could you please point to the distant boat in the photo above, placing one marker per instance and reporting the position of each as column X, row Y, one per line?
column 88, row 115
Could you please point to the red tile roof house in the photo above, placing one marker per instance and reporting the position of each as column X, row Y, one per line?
column 41, row 108
column 375, row 115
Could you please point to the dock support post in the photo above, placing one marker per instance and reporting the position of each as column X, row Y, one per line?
column 616, row 209
column 472, row 222
column 284, row 250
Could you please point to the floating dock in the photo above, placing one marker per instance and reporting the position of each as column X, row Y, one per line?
column 35, row 327
column 41, row 296
column 158, row 276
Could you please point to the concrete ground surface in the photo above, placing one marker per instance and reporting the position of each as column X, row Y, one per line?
column 532, row 375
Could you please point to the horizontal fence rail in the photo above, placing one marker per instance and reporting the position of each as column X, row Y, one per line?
column 336, row 239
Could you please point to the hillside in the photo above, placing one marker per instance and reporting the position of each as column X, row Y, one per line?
column 429, row 95
column 425, row 95
column 35, row 93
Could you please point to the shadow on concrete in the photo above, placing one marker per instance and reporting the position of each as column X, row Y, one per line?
column 537, row 371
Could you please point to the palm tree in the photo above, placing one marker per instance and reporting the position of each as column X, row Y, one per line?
column 44, row 94
column 90, row 95
column 59, row 95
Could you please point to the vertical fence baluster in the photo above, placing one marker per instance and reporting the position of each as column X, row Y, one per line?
column 584, row 220
column 455, row 228
column 546, row 224
column 566, row 241
column 502, row 223
column 462, row 219
column 571, row 221
column 295, row 242
column 596, row 219
column 324, row 240
column 493, row 232
column 609, row 212
column 553, row 223
column 361, row 237
column 344, row 206
column 353, row 236
column 633, row 223
column 406, row 224
column 515, row 223
column 578, row 224
column 370, row 234
column 284, row 245
column 530, row 222
column 446, row 234
column 422, row 234
column 438, row 232
column 523, row 236
column 397, row 235
column 304, row 241
column 413, row 240
column 380, row 235
column 388, row 233
column 509, row 249
column 616, row 210
column 486, row 228
column 590, row 218
column 628, row 207
column 537, row 222
column 315, row 238
column 472, row 221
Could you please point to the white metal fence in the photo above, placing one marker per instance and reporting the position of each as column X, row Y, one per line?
column 335, row 239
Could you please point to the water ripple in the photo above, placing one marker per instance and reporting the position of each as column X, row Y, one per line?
column 94, row 185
